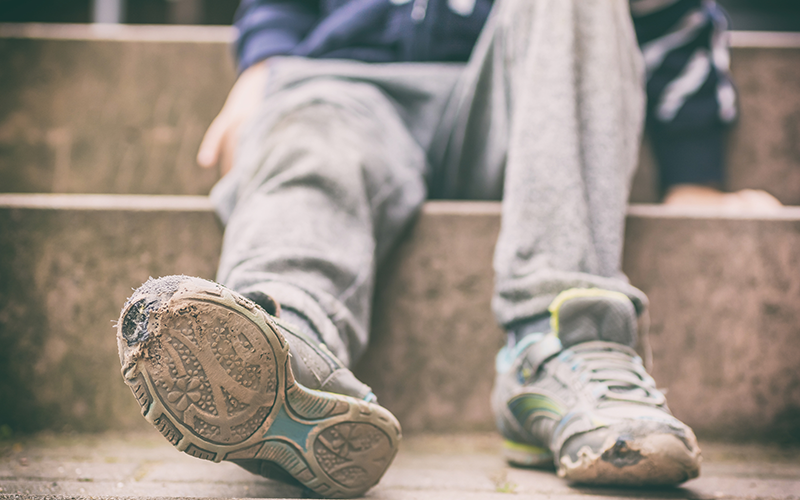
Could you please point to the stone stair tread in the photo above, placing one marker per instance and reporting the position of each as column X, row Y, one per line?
column 119, row 32
column 136, row 202
column 61, row 201
column 227, row 34
column 435, row 466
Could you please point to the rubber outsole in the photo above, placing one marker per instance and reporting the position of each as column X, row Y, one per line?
column 213, row 376
column 525, row 455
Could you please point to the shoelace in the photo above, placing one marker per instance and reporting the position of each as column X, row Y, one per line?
column 614, row 372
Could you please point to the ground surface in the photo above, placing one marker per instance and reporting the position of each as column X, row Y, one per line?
column 441, row 467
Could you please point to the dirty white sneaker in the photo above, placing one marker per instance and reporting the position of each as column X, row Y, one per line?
column 580, row 397
column 212, row 372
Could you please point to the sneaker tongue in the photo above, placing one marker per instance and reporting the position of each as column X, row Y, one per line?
column 587, row 315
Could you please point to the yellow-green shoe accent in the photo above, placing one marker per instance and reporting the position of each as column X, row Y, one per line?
column 585, row 396
column 578, row 293
column 526, row 455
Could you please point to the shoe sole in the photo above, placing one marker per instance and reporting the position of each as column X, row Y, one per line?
column 525, row 455
column 213, row 376
column 653, row 460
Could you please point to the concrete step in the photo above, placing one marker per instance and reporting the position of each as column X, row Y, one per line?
column 67, row 263
column 109, row 109
column 451, row 466
column 104, row 109
column 725, row 293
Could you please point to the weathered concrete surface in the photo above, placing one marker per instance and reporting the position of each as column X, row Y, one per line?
column 725, row 295
column 725, row 318
column 428, row 466
column 765, row 148
column 64, row 274
column 87, row 109
column 724, row 289
column 99, row 113
column 431, row 355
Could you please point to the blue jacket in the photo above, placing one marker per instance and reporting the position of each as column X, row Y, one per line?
column 690, row 95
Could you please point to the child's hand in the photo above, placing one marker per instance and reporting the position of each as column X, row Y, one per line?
column 221, row 139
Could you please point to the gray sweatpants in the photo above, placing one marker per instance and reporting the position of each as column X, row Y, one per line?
column 546, row 115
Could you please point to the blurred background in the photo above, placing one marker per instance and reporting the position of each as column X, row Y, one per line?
column 769, row 15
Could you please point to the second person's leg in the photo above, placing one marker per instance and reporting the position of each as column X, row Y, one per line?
column 555, row 87
column 549, row 115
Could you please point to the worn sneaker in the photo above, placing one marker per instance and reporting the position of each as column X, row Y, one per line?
column 580, row 397
column 212, row 372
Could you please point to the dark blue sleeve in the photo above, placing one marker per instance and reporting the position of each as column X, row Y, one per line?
column 271, row 27
column 691, row 99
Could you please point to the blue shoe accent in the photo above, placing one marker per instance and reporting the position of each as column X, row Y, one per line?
column 286, row 427
column 505, row 358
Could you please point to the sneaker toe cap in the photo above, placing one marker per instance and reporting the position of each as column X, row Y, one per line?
column 632, row 453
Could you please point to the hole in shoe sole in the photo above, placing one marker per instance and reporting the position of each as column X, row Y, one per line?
column 134, row 325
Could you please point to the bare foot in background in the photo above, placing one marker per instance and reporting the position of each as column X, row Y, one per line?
column 704, row 196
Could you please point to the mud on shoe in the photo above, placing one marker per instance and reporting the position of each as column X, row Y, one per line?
column 211, row 371
column 579, row 397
